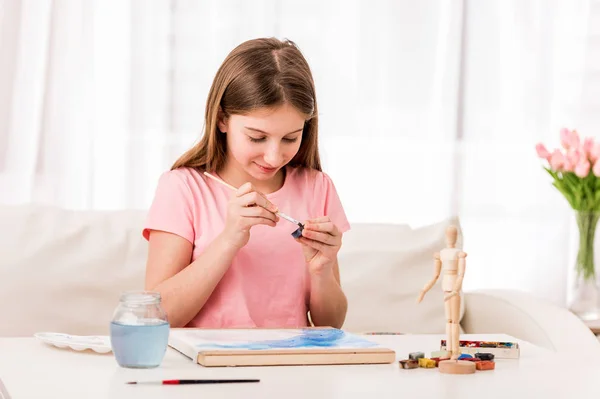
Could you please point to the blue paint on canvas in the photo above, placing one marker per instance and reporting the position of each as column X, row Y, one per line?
column 305, row 339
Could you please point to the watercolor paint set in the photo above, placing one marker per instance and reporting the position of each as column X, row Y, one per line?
column 501, row 350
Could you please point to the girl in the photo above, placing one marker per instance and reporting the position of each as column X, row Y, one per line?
column 224, row 259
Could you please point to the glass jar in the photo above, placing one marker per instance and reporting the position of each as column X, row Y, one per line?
column 139, row 330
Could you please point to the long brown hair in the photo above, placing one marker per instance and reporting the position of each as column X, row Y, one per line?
column 259, row 73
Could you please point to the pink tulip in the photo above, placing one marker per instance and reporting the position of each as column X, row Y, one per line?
column 595, row 152
column 582, row 169
column 569, row 138
column 573, row 156
column 568, row 166
column 542, row 151
column 596, row 168
column 588, row 144
column 557, row 160
column 574, row 139
column 565, row 138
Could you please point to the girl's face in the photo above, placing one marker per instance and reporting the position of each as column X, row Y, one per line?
column 263, row 141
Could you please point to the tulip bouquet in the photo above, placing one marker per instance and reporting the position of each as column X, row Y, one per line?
column 575, row 170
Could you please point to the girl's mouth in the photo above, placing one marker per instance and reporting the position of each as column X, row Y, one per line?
column 265, row 169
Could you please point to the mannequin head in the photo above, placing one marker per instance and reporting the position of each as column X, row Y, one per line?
column 451, row 236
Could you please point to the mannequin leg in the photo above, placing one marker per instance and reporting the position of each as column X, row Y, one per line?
column 449, row 338
column 455, row 317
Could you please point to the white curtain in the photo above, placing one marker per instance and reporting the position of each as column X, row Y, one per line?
column 525, row 76
column 427, row 108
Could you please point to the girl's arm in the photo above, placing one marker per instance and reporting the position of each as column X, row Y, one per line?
column 321, row 240
column 328, row 303
column 184, row 287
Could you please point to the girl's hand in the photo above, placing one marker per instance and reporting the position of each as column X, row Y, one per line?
column 321, row 240
column 246, row 209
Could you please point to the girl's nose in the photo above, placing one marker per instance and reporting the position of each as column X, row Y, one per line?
column 274, row 156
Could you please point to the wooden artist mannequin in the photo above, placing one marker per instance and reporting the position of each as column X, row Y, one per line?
column 452, row 262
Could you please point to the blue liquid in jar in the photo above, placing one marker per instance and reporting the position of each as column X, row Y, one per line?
column 139, row 346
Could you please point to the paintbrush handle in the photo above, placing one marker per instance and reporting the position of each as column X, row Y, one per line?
column 183, row 382
column 220, row 181
column 281, row 214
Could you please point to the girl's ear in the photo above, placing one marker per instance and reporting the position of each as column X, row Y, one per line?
column 222, row 121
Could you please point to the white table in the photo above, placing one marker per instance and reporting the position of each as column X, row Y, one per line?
column 32, row 369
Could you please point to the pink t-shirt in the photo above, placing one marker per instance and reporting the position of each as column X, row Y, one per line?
column 267, row 284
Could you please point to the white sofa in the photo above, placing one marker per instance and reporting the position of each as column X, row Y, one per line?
column 63, row 271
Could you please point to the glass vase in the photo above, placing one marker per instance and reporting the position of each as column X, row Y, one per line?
column 586, row 290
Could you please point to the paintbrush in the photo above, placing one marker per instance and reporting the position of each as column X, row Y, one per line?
column 183, row 382
column 295, row 234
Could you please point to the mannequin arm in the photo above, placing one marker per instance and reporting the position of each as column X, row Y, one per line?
column 437, row 269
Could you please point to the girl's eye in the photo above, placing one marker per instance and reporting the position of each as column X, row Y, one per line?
column 261, row 139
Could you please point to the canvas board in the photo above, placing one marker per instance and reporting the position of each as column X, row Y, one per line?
column 255, row 347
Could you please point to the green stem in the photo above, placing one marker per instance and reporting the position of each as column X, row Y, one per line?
column 586, row 221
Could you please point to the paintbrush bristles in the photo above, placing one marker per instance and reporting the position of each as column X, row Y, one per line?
column 289, row 218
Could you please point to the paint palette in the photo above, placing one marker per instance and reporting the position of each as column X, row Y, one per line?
column 97, row 343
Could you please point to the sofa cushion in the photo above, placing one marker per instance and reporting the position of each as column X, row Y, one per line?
column 384, row 269
column 63, row 271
